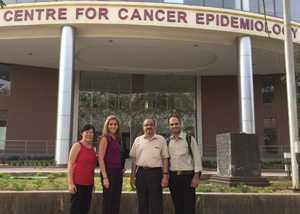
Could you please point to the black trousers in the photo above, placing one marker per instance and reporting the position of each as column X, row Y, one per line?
column 81, row 200
column 112, row 195
column 149, row 191
column 183, row 195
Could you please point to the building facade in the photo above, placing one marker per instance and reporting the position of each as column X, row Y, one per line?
column 218, row 63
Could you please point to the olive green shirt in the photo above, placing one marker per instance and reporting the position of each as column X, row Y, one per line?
column 180, row 158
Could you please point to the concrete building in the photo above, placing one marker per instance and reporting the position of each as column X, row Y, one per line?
column 219, row 63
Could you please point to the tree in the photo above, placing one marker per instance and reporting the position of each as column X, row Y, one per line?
column 2, row 4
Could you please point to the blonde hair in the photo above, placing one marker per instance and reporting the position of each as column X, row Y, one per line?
column 105, row 131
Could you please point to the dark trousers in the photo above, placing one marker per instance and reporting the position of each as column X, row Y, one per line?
column 112, row 195
column 149, row 191
column 183, row 195
column 81, row 200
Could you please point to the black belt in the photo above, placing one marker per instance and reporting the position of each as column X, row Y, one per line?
column 183, row 172
column 145, row 168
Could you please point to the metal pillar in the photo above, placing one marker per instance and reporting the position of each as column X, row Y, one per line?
column 246, row 94
column 291, row 93
column 65, row 96
column 199, row 114
column 246, row 91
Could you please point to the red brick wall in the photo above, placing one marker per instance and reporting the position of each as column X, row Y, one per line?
column 32, row 104
column 220, row 109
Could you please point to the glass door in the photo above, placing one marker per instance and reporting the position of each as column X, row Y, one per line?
column 133, row 97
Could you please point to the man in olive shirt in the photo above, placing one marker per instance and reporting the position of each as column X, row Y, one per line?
column 149, row 170
column 185, row 168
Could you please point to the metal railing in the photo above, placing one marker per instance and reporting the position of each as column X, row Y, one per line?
column 47, row 148
column 28, row 148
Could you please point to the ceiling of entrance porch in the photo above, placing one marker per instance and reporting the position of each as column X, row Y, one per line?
column 145, row 55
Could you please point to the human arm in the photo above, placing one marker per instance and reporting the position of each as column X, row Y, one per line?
column 133, row 173
column 132, row 155
column 197, row 162
column 165, row 168
column 71, row 163
column 165, row 164
column 102, row 150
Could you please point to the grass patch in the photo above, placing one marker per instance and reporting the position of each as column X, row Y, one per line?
column 58, row 181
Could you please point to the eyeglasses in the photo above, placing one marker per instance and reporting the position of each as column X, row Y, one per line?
column 174, row 124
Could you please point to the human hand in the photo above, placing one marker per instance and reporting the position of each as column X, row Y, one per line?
column 105, row 183
column 132, row 182
column 195, row 181
column 72, row 188
column 165, row 181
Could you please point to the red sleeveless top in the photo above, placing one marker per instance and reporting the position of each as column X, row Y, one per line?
column 84, row 167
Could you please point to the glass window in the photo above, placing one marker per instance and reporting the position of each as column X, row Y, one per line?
column 157, row 1
column 298, row 90
column 174, row 1
column 295, row 10
column 10, row 1
column 269, row 7
column 267, row 90
column 231, row 4
column 270, row 135
column 297, row 58
column 25, row 1
column 214, row 3
column 279, row 8
column 297, row 70
column 254, row 6
column 4, row 80
column 194, row 2
column 269, row 123
column 3, row 127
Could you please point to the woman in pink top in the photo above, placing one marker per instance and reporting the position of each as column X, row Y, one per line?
column 111, row 164
column 81, row 166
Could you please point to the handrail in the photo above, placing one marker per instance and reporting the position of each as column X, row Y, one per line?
column 27, row 147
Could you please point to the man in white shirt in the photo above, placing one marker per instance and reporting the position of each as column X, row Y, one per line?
column 149, row 169
column 185, row 167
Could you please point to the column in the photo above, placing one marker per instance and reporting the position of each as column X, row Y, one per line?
column 246, row 91
column 199, row 114
column 65, row 96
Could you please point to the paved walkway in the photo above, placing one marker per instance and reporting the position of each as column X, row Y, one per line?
column 59, row 170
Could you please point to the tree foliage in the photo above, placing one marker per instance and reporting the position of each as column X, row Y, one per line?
column 2, row 3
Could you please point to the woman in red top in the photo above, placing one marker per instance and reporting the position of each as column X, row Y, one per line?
column 81, row 166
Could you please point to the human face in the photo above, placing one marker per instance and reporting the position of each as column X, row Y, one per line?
column 113, row 126
column 175, row 126
column 148, row 126
column 88, row 135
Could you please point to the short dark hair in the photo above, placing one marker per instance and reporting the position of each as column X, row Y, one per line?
column 85, row 128
column 174, row 115
column 150, row 118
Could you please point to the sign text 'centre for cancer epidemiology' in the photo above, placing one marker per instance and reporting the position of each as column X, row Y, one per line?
column 143, row 15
